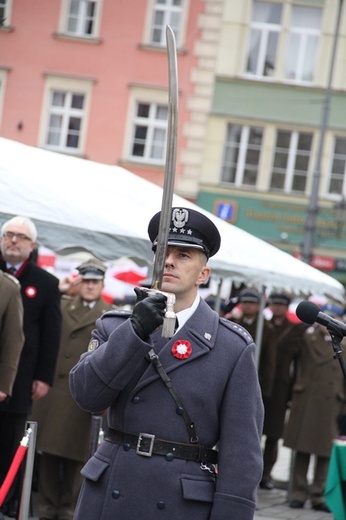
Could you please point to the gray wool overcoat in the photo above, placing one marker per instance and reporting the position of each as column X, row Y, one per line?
column 63, row 428
column 219, row 387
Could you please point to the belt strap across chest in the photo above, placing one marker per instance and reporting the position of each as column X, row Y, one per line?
column 147, row 445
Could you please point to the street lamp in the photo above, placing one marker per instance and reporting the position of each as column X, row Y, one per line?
column 310, row 224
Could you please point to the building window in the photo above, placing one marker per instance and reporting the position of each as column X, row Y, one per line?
column 302, row 44
column 149, row 133
column 5, row 12
column 291, row 161
column 3, row 77
column 166, row 12
column 242, row 155
column 264, row 37
column 337, row 183
column 81, row 17
column 65, row 120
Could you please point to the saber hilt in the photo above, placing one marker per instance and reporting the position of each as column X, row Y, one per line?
column 169, row 321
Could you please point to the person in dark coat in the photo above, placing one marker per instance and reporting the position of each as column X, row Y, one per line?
column 318, row 399
column 278, row 375
column 185, row 414
column 63, row 432
column 42, row 324
column 250, row 302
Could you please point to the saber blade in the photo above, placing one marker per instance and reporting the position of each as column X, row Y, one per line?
column 167, row 196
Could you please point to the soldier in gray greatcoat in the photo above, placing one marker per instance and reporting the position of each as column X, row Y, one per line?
column 63, row 431
column 185, row 414
column 318, row 399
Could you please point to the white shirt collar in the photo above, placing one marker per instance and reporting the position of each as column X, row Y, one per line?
column 185, row 314
column 17, row 266
column 91, row 305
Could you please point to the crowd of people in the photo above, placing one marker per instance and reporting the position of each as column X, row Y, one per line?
column 209, row 406
column 303, row 390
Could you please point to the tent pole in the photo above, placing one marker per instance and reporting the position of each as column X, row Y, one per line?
column 259, row 329
column 218, row 296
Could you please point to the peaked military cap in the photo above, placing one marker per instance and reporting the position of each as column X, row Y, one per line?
column 248, row 295
column 188, row 228
column 277, row 297
column 92, row 270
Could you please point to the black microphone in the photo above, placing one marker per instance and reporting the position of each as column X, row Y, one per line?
column 309, row 312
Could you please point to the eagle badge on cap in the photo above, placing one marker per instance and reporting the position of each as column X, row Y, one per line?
column 180, row 218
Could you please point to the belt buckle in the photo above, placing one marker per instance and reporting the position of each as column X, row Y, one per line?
column 139, row 449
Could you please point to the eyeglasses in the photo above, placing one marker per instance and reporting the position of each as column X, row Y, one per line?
column 19, row 236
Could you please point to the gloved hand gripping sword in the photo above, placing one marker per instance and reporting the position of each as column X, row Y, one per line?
column 167, row 196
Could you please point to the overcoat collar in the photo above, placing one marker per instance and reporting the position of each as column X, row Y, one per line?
column 82, row 316
column 321, row 351
column 200, row 330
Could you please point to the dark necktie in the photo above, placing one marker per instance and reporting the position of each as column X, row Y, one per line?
column 11, row 270
column 176, row 325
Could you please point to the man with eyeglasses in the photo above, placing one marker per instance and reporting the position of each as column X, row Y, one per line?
column 42, row 326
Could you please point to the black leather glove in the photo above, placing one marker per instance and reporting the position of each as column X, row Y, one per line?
column 148, row 314
column 140, row 294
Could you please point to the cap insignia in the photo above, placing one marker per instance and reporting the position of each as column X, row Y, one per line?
column 180, row 217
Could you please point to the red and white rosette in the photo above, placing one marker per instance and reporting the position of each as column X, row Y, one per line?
column 182, row 349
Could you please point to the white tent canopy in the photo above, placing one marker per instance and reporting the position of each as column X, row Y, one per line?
column 105, row 209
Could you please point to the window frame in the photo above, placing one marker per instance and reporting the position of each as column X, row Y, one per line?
column 265, row 28
column 285, row 32
column 152, row 124
column 7, row 6
column 64, row 17
column 243, row 148
column 142, row 94
column 70, row 86
column 180, row 37
column 304, row 34
column 334, row 176
column 3, row 81
column 292, row 156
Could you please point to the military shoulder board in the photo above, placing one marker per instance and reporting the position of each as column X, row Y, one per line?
column 238, row 329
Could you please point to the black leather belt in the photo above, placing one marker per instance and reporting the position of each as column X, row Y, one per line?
column 147, row 445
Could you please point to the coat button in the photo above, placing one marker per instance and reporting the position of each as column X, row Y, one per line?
column 169, row 457
column 115, row 493
column 126, row 447
column 136, row 399
column 161, row 504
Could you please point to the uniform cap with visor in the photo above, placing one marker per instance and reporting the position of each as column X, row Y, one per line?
column 92, row 270
column 249, row 296
column 188, row 228
column 278, row 297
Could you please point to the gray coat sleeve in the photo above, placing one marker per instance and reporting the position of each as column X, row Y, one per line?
column 102, row 373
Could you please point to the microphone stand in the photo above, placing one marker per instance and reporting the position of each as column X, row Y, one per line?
column 337, row 336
